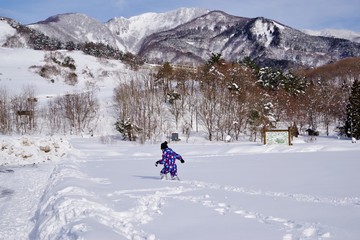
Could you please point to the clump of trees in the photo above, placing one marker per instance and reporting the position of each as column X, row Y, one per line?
column 328, row 93
column 141, row 114
column 77, row 111
column 58, row 64
column 219, row 98
column 235, row 98
column 69, row 114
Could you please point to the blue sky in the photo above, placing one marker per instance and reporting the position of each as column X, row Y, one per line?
column 300, row 14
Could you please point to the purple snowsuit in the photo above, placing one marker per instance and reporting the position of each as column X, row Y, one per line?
column 168, row 159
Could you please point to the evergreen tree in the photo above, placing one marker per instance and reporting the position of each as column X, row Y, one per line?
column 216, row 58
column 128, row 129
column 247, row 61
column 352, row 123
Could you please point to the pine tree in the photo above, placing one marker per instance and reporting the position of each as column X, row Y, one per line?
column 128, row 129
column 352, row 123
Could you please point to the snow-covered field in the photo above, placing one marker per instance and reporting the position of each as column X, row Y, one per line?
column 103, row 188
column 100, row 189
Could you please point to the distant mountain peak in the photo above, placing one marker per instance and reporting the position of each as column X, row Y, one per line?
column 62, row 17
column 133, row 30
column 78, row 28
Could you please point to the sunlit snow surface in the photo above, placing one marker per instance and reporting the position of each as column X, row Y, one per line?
column 241, row 190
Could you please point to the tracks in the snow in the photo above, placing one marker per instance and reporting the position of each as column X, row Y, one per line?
column 151, row 200
column 69, row 203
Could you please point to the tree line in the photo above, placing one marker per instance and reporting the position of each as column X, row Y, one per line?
column 39, row 41
column 235, row 98
column 216, row 100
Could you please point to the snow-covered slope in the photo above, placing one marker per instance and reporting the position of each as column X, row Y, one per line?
column 337, row 33
column 18, row 65
column 77, row 28
column 19, row 69
column 122, row 33
column 5, row 31
column 132, row 31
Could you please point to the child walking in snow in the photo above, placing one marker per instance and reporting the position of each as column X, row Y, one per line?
column 168, row 160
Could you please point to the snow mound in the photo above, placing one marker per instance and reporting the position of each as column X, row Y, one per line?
column 32, row 150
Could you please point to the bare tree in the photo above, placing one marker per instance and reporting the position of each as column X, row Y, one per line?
column 141, row 102
column 5, row 117
column 23, row 107
column 210, row 78
column 55, row 117
column 79, row 109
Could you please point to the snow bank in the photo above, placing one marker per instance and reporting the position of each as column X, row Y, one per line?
column 32, row 150
column 69, row 209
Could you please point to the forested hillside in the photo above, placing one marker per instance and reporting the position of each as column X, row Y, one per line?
column 236, row 99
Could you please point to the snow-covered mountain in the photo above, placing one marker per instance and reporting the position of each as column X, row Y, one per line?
column 122, row 33
column 336, row 33
column 194, row 40
column 78, row 28
column 265, row 40
column 191, row 35
column 132, row 31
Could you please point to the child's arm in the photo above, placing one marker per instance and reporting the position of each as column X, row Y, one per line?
column 179, row 157
column 161, row 161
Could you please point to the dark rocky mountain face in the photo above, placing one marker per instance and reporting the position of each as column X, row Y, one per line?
column 193, row 41
column 266, row 41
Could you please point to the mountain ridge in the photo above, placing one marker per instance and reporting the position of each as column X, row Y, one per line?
column 267, row 41
column 78, row 28
column 191, row 35
column 133, row 30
